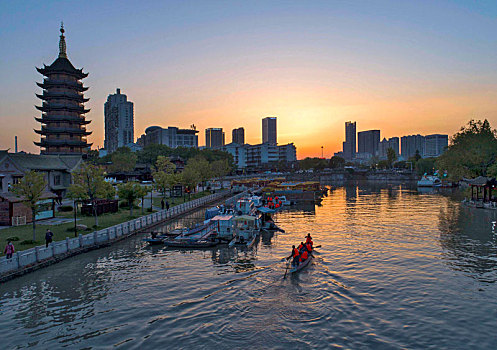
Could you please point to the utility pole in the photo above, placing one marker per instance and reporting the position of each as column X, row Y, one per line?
column 322, row 152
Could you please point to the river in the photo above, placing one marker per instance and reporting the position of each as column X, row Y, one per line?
column 396, row 269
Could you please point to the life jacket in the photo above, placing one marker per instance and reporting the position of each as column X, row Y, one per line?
column 309, row 247
column 308, row 240
column 295, row 252
column 300, row 246
column 304, row 256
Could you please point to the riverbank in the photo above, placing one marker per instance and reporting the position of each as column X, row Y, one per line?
column 32, row 259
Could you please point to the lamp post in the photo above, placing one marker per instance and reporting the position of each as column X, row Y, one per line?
column 75, row 218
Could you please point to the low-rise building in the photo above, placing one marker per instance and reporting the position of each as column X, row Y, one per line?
column 172, row 137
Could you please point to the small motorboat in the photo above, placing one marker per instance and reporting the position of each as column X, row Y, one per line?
column 429, row 181
column 190, row 244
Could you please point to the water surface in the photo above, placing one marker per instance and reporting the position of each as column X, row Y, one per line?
column 397, row 269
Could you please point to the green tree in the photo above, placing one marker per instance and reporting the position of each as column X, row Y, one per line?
column 203, row 169
column 130, row 192
column 337, row 162
column 190, row 177
column 313, row 163
column 30, row 188
column 164, row 176
column 472, row 152
column 123, row 160
column 89, row 184
column 391, row 156
column 425, row 166
column 220, row 168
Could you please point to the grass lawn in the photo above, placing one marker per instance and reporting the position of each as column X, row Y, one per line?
column 25, row 232
column 179, row 200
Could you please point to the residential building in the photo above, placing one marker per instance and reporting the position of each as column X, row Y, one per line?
column 287, row 153
column 119, row 122
column 269, row 132
column 172, row 137
column 214, row 137
column 392, row 143
column 63, row 123
column 435, row 144
column 239, row 153
column 238, row 136
column 349, row 146
column 410, row 144
column 368, row 142
column 261, row 154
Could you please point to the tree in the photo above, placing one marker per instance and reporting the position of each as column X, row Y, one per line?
column 164, row 177
column 425, row 166
column 123, row 160
column 313, row 163
column 391, row 156
column 472, row 152
column 190, row 176
column 131, row 191
column 337, row 162
column 31, row 188
column 202, row 168
column 89, row 184
column 220, row 168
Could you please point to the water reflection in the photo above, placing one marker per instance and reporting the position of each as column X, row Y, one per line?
column 470, row 246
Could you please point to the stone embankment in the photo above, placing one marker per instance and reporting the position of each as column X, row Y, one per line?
column 32, row 259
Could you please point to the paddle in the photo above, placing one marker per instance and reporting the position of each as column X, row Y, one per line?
column 287, row 265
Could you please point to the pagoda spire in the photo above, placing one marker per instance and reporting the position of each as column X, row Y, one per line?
column 62, row 42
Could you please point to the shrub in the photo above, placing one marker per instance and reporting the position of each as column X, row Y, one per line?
column 13, row 238
column 65, row 208
column 28, row 241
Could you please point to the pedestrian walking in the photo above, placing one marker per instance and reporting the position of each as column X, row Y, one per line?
column 162, row 203
column 9, row 249
column 167, row 205
column 48, row 237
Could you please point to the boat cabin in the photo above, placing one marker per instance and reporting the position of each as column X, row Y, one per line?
column 224, row 226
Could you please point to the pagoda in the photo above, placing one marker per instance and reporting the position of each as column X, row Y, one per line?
column 63, row 123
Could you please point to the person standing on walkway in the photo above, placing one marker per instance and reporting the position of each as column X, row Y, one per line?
column 48, row 237
column 9, row 249
column 167, row 205
column 162, row 203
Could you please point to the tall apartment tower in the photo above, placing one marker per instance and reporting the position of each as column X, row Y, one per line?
column 412, row 143
column 349, row 146
column 214, row 137
column 368, row 142
column 269, row 134
column 238, row 136
column 63, row 124
column 436, row 144
column 119, row 123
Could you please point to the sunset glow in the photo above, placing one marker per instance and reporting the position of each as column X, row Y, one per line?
column 314, row 66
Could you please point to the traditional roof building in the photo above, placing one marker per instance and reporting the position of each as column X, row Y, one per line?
column 63, row 129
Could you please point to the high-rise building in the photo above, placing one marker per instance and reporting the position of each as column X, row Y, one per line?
column 238, row 136
column 269, row 132
column 349, row 146
column 172, row 137
column 214, row 137
column 287, row 153
column 63, row 124
column 119, row 122
column 436, row 144
column 410, row 144
column 392, row 143
column 368, row 142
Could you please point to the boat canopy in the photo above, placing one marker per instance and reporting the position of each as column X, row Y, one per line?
column 265, row 210
column 245, row 218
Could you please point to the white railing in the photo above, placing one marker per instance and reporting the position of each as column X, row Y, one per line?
column 107, row 235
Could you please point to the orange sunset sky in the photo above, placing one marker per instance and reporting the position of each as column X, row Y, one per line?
column 403, row 69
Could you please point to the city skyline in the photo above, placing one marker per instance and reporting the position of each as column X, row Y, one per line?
column 232, row 66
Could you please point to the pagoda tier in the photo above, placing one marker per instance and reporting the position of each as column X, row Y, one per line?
column 56, row 107
column 61, row 130
column 47, row 96
column 63, row 125
column 62, row 119
column 61, row 143
column 52, row 83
